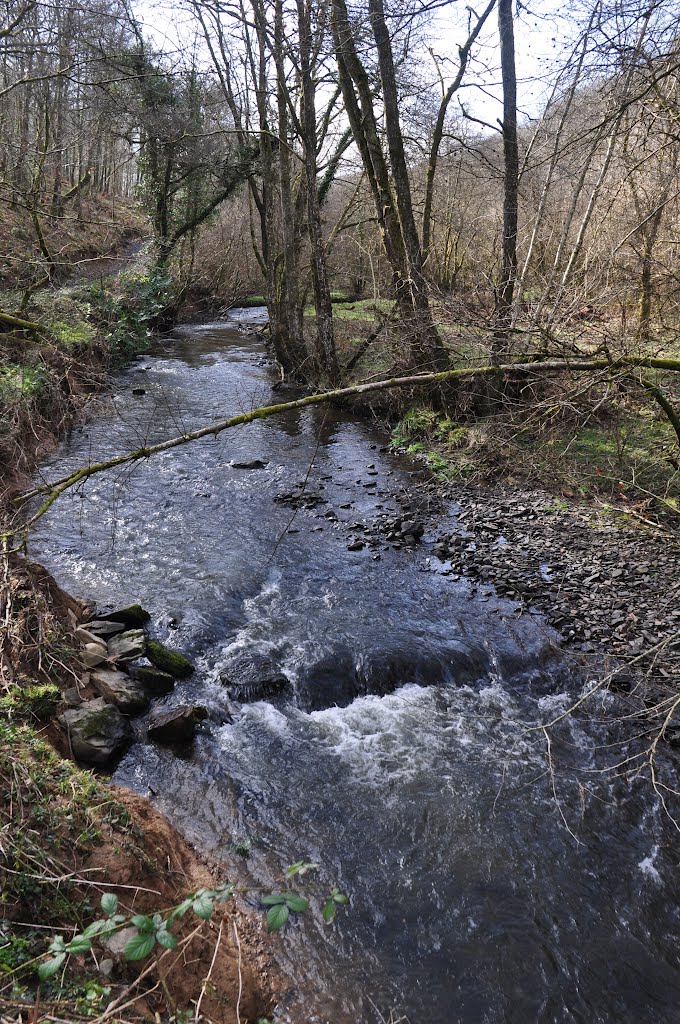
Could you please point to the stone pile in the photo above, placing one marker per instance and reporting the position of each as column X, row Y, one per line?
column 124, row 671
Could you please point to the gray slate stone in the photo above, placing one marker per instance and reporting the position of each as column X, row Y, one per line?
column 128, row 645
column 104, row 627
column 97, row 731
column 176, row 725
column 250, row 464
column 251, row 676
column 86, row 637
column 155, row 682
column 133, row 615
column 121, row 690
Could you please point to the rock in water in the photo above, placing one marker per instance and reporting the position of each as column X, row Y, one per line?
column 133, row 615
column 154, row 681
column 97, row 731
column 176, row 725
column 251, row 464
column 168, row 661
column 251, row 676
column 128, row 645
column 126, row 693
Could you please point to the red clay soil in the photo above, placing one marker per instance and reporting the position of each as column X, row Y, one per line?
column 227, row 958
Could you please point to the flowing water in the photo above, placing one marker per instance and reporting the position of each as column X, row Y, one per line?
column 488, row 881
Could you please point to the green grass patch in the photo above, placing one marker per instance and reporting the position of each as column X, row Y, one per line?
column 30, row 703
column 17, row 380
column 361, row 309
column 72, row 334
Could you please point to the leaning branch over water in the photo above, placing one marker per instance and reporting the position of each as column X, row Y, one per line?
column 626, row 364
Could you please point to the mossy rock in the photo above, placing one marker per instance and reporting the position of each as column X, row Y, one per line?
column 96, row 730
column 168, row 661
column 157, row 683
column 133, row 615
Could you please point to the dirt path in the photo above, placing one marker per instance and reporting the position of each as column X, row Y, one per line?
column 109, row 265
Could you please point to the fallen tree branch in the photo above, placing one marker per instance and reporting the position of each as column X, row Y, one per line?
column 57, row 487
column 662, row 400
column 18, row 324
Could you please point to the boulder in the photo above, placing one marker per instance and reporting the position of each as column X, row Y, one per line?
column 97, row 731
column 93, row 654
column 155, row 682
column 133, row 615
column 252, row 676
column 86, row 637
column 128, row 645
column 176, row 725
column 104, row 627
column 168, row 661
column 120, row 689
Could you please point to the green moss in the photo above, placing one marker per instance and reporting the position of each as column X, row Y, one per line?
column 72, row 334
column 97, row 723
column 418, row 424
column 168, row 661
column 15, row 950
column 28, row 703
column 133, row 615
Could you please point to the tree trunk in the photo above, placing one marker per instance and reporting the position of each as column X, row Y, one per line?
column 325, row 336
column 394, row 206
column 506, row 286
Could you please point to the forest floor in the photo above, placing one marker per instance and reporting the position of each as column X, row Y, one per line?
column 80, row 243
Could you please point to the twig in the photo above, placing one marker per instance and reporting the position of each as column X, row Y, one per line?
column 240, row 976
column 206, row 980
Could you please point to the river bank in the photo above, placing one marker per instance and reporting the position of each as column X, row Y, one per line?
column 100, row 839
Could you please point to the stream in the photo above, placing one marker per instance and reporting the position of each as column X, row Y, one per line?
column 488, row 882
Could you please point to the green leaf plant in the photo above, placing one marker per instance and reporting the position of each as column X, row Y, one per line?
column 158, row 930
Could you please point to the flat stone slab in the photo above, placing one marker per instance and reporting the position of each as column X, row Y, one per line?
column 120, row 689
column 176, row 725
column 104, row 627
column 86, row 637
column 97, row 731
column 128, row 645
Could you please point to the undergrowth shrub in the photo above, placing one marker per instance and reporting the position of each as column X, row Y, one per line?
column 127, row 309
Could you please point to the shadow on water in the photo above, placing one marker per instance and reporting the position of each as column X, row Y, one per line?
column 486, row 884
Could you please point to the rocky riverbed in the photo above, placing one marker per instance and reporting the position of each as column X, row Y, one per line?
column 611, row 592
